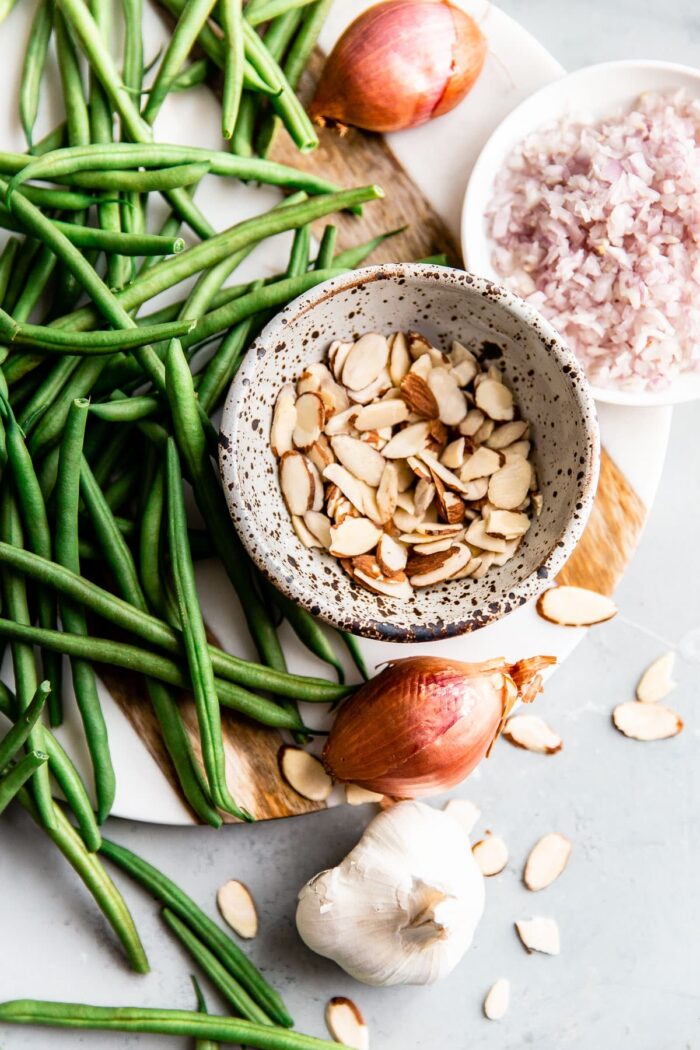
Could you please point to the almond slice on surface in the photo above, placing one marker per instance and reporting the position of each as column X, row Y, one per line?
column 574, row 606
column 423, row 496
column 509, row 486
column 495, row 399
column 507, row 523
column 518, row 448
column 435, row 466
column 321, row 454
column 539, row 934
column 350, row 486
column 304, row 772
column 657, row 681
column 464, row 372
column 359, row 458
column 478, row 537
column 418, row 345
column 399, row 358
column 481, row 464
column 353, row 536
column 359, row 796
column 451, row 402
column 304, row 533
column 391, row 555
column 466, row 813
column 342, row 422
column 644, row 721
column 418, row 396
column 546, row 861
column 532, row 734
column 388, row 492
column 237, row 907
column 370, row 393
column 507, row 434
column 451, row 507
column 337, row 355
column 422, row 366
column 366, row 359
column 407, row 442
column 472, row 422
column 310, row 419
column 297, row 483
column 473, row 491
column 490, row 854
column 390, row 587
column 497, row 1000
column 453, row 455
column 319, row 525
column 404, row 475
column 381, row 414
column 284, row 421
column 457, row 558
column 434, row 547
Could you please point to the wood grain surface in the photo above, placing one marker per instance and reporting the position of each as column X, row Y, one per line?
column 599, row 561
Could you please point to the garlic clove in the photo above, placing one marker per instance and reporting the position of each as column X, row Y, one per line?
column 346, row 1023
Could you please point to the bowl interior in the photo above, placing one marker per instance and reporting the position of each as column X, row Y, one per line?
column 445, row 305
column 593, row 92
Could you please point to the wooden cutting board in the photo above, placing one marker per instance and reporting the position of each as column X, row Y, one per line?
column 599, row 561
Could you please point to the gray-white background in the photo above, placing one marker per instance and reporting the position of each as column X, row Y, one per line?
column 629, row 903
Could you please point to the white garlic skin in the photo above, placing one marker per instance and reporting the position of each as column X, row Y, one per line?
column 403, row 906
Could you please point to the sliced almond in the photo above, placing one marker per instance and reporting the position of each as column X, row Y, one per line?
column 574, row 606
column 504, row 556
column 518, row 448
column 359, row 796
column 375, row 389
column 507, row 434
column 507, row 523
column 466, row 813
column 321, row 454
column 391, row 587
column 484, row 432
column 297, row 483
column 509, row 486
column 407, row 442
column 353, row 536
column 435, row 466
column 451, row 403
column 391, row 555
column 478, row 567
column 405, row 522
column 657, row 681
column 537, row 502
column 458, row 556
column 404, row 475
column 342, row 422
column 481, row 464
column 307, row 537
column 540, row 934
column 399, row 359
column 471, row 422
column 495, row 399
column 367, row 358
column 459, row 353
column 319, row 525
column 381, row 414
column 367, row 564
column 237, row 907
column 490, row 854
column 644, row 721
column 337, row 354
column 310, row 419
column 464, row 372
column 422, row 366
column 284, row 420
column 388, row 492
column 359, row 458
column 305, row 773
column 438, row 435
column 532, row 734
column 421, row 563
column 350, row 486
column 546, row 861
column 451, row 507
column 423, row 496
column 418, row 396
column 497, row 1000
column 453, row 455
column 478, row 537
column 434, row 547
column 474, row 491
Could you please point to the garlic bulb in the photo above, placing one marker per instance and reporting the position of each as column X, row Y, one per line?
column 403, row 905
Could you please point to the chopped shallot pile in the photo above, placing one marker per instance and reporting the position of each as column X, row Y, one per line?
column 598, row 227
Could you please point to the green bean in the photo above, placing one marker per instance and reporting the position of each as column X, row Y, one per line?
column 33, row 67
column 59, row 376
column 220, row 371
column 66, row 546
column 192, row 624
column 54, row 140
column 242, row 139
column 272, row 9
column 118, row 556
column 15, row 779
column 192, row 76
column 286, row 104
column 88, row 867
column 52, row 421
column 324, row 257
column 121, row 489
column 242, row 1003
column 299, row 256
column 158, row 1021
column 133, row 44
column 33, row 513
column 13, row 741
column 15, row 605
column 77, row 117
column 157, row 633
column 234, row 59
column 64, row 773
column 7, row 259
column 6, row 8
column 277, row 37
column 26, row 257
column 202, row 1044
column 434, row 260
column 236, row 963
column 88, row 237
column 57, row 341
column 184, row 35
column 126, row 409
column 60, row 200
column 37, row 281
column 351, row 258
column 170, row 228
column 308, row 631
column 355, row 652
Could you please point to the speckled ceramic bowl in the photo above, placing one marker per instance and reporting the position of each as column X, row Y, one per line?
column 444, row 304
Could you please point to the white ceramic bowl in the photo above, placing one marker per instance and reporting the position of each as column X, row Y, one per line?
column 444, row 304
column 595, row 91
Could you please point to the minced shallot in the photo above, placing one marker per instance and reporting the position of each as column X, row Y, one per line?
column 597, row 225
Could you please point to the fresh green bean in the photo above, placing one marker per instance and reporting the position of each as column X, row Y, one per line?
column 271, row 9
column 17, row 736
column 351, row 258
column 434, row 260
column 307, row 631
column 87, row 865
column 64, row 773
column 15, row 779
column 88, row 237
column 356, row 653
column 242, row 139
column 52, row 421
column 202, row 1044
column 55, row 139
column 326, row 251
column 60, row 200
column 66, row 547
column 184, row 35
column 219, row 372
column 6, row 8
column 33, row 67
column 236, row 963
column 7, row 259
column 286, row 104
column 299, row 255
column 192, row 76
column 277, row 37
column 58, row 378
column 77, row 117
column 15, row 605
column 133, row 45
column 191, row 621
column 37, row 281
column 234, row 60
column 57, row 341
column 243, row 1004
column 26, row 257
column 126, row 409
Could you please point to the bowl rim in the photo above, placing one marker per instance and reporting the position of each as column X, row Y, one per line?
column 683, row 390
column 562, row 545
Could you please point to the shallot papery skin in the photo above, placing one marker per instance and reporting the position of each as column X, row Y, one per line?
column 424, row 723
column 398, row 65
column 597, row 225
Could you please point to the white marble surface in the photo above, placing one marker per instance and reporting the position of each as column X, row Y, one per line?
column 629, row 904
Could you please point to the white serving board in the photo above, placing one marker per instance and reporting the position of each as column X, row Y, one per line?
column 439, row 156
